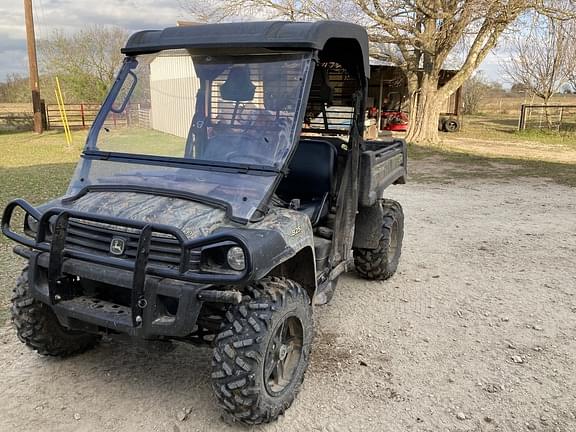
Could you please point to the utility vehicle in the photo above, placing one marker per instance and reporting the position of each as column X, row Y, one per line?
column 217, row 200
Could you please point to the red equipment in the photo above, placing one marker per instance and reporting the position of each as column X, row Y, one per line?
column 396, row 121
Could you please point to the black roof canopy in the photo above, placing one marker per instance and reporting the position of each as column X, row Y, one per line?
column 268, row 35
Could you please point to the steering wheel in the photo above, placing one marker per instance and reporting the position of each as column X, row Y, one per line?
column 238, row 156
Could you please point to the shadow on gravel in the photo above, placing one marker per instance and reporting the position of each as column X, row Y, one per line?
column 127, row 367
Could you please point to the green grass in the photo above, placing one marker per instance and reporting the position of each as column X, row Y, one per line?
column 27, row 149
column 504, row 127
column 142, row 141
column 37, row 168
column 462, row 164
column 547, row 136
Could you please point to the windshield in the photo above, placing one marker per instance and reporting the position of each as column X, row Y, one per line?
column 182, row 112
column 231, row 109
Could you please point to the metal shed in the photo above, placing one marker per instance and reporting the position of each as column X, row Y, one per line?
column 172, row 108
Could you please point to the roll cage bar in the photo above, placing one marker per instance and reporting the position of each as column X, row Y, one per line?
column 343, row 42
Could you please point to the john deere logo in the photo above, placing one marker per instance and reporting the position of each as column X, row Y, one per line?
column 117, row 246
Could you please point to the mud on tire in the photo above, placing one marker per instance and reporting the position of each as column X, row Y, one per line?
column 381, row 263
column 37, row 326
column 244, row 371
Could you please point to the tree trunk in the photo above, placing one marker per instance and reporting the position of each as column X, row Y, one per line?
column 547, row 113
column 424, row 113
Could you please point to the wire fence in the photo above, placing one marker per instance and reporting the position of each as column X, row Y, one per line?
column 560, row 118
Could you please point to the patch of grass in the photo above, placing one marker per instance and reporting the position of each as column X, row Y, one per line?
column 28, row 149
column 548, row 136
column 505, row 128
column 142, row 141
column 37, row 168
column 461, row 164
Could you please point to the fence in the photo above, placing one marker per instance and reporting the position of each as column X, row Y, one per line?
column 81, row 116
column 561, row 118
column 15, row 117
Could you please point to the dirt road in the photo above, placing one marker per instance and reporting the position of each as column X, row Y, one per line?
column 475, row 333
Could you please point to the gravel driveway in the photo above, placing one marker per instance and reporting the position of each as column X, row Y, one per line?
column 475, row 333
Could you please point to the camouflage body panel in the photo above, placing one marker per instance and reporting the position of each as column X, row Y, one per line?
column 194, row 219
column 294, row 227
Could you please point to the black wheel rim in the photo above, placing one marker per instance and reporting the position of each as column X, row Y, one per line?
column 283, row 355
column 393, row 249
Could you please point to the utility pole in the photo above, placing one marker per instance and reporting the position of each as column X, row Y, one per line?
column 33, row 67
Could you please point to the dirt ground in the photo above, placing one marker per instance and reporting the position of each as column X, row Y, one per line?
column 474, row 333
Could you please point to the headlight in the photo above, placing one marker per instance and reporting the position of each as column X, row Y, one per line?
column 224, row 258
column 236, row 259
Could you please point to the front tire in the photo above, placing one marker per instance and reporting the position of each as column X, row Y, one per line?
column 263, row 350
column 381, row 263
column 37, row 326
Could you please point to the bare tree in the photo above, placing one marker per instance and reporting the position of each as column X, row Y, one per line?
column 570, row 28
column 539, row 60
column 474, row 90
column 420, row 36
column 86, row 62
column 15, row 89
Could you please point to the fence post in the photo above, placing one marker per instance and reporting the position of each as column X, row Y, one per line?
column 44, row 114
column 561, row 118
column 82, row 115
column 522, row 120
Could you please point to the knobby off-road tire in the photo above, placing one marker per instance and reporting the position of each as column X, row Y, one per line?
column 272, row 325
column 38, row 327
column 381, row 263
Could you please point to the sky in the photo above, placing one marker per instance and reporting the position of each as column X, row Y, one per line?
column 72, row 15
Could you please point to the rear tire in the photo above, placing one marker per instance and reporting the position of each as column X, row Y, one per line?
column 262, row 352
column 451, row 125
column 37, row 326
column 381, row 263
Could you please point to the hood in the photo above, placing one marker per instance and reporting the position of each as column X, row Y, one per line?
column 193, row 218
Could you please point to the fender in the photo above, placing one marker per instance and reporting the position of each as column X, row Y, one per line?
column 272, row 256
column 368, row 226
column 283, row 245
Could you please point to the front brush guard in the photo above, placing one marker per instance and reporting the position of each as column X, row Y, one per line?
column 59, row 252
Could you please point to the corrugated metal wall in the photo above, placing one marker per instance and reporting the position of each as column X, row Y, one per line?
column 173, row 87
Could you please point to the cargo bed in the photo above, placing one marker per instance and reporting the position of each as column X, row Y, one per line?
column 382, row 163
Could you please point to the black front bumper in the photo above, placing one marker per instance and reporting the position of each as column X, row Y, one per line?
column 53, row 264
column 93, row 314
